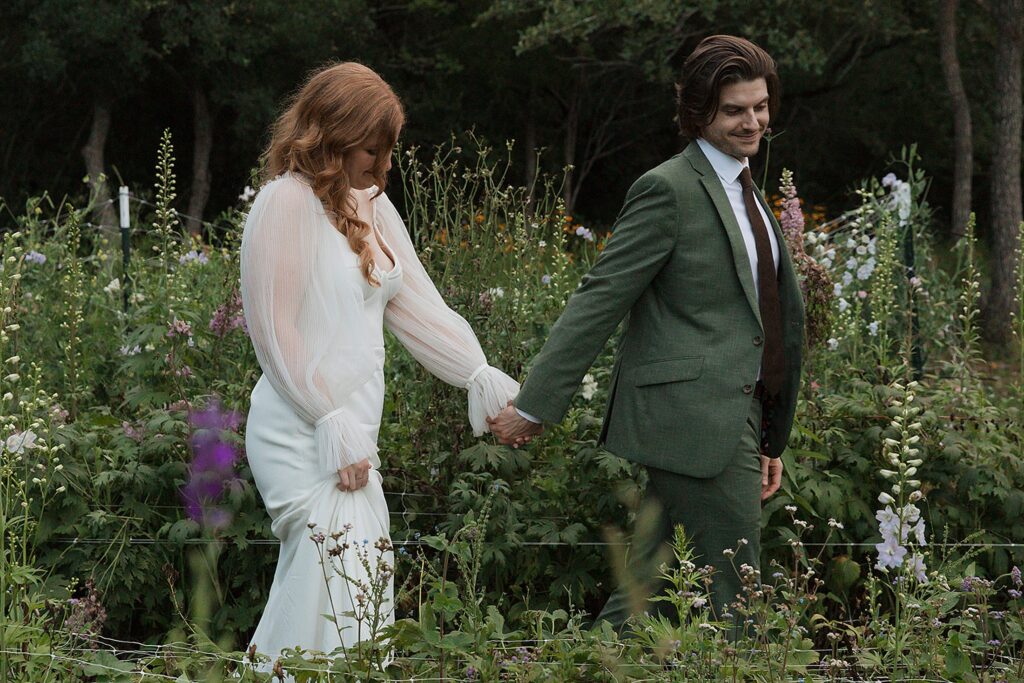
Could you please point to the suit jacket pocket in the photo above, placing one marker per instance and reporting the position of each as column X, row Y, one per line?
column 669, row 370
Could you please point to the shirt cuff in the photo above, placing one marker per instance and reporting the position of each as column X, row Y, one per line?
column 527, row 416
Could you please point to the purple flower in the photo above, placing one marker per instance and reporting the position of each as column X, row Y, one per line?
column 546, row 279
column 1015, row 575
column 1014, row 593
column 968, row 584
column 194, row 256
column 179, row 328
column 35, row 257
column 214, row 416
column 213, row 466
column 229, row 316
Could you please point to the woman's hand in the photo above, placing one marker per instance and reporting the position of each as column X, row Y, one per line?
column 355, row 476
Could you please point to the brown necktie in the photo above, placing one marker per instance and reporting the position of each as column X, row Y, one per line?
column 772, row 362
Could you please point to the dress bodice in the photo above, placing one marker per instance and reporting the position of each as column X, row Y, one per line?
column 343, row 264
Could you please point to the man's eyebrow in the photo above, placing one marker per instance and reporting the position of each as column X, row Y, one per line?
column 737, row 105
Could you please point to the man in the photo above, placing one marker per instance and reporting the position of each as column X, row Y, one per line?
column 706, row 376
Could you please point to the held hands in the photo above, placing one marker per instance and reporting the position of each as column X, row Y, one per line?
column 511, row 428
column 771, row 476
column 355, row 476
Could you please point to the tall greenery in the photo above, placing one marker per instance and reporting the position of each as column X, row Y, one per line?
column 498, row 579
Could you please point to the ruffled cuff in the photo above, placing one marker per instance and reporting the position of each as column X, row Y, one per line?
column 490, row 390
column 340, row 444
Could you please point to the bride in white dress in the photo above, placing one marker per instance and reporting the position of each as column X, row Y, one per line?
column 327, row 264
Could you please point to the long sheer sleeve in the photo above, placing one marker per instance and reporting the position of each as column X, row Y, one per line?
column 438, row 337
column 305, row 322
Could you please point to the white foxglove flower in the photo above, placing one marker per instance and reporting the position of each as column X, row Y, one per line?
column 919, row 533
column 17, row 443
column 916, row 565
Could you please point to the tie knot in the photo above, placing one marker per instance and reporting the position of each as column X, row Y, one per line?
column 746, row 182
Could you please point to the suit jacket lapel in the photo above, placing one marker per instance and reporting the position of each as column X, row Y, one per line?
column 715, row 190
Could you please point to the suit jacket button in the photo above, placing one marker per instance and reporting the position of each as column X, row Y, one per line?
column 758, row 341
column 747, row 388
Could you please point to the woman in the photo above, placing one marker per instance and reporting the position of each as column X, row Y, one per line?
column 326, row 264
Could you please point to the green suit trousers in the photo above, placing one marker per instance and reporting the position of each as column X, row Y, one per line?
column 715, row 513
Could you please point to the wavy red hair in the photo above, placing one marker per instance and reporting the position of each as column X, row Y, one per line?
column 339, row 108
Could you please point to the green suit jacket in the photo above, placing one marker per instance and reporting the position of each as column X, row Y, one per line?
column 687, row 364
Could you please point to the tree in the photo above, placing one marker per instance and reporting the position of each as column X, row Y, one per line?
column 219, row 53
column 963, row 145
column 1008, row 16
column 96, row 51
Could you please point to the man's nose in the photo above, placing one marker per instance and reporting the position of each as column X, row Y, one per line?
column 750, row 119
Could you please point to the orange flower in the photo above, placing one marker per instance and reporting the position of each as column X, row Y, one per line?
column 479, row 218
column 442, row 236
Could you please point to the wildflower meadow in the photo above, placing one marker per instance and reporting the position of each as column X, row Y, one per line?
column 136, row 547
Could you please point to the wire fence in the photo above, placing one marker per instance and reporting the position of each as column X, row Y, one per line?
column 417, row 542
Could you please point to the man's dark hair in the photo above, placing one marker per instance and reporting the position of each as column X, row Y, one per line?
column 719, row 61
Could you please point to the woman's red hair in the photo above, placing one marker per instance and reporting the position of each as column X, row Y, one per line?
column 339, row 108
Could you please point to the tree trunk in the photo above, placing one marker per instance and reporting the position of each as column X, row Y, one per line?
column 963, row 146
column 1006, row 159
column 202, row 146
column 92, row 154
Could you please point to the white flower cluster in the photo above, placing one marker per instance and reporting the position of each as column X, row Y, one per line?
column 589, row 387
column 17, row 443
column 900, row 197
column 901, row 517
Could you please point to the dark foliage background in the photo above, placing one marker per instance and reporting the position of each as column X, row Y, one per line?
column 589, row 81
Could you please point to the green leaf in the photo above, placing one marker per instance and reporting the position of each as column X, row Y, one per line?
column 957, row 663
column 183, row 529
column 446, row 601
column 436, row 542
column 457, row 640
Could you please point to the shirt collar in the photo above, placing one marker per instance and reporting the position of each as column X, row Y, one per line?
column 727, row 167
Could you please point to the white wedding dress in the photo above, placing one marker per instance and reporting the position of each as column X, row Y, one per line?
column 317, row 327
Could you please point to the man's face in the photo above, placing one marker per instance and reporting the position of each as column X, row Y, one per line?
column 741, row 120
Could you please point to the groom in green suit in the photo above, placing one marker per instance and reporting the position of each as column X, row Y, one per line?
column 707, row 372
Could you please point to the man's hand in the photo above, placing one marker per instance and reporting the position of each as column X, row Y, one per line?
column 771, row 476
column 511, row 428
column 355, row 476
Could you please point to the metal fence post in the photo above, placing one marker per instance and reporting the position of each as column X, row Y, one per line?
column 122, row 197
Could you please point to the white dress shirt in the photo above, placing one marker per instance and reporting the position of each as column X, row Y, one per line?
column 728, row 169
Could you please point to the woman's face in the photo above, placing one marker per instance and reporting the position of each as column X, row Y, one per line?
column 360, row 162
